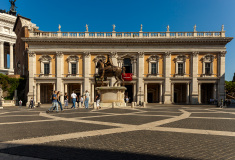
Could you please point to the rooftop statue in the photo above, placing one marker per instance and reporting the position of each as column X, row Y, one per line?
column 13, row 6
column 109, row 70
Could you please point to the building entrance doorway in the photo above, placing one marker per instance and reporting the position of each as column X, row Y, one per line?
column 180, row 93
column 206, row 92
column 46, row 91
column 73, row 87
column 153, row 93
column 129, row 92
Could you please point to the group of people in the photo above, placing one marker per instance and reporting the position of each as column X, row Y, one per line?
column 56, row 101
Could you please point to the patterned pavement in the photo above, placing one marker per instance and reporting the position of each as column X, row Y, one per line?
column 155, row 132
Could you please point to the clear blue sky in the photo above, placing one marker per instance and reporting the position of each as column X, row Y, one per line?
column 127, row 15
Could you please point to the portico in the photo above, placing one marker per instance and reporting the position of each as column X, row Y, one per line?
column 7, row 42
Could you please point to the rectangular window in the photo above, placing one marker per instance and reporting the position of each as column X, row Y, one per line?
column 153, row 68
column 46, row 68
column 74, row 68
column 180, row 68
column 207, row 68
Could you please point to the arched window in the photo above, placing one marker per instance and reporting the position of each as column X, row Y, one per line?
column 46, row 65
column 208, row 64
column 153, row 65
column 180, row 65
column 73, row 62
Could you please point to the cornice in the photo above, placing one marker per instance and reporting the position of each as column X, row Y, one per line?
column 220, row 40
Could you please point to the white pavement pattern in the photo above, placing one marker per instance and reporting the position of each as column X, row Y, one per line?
column 153, row 126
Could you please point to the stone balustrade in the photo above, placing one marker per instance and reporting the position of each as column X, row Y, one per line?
column 127, row 34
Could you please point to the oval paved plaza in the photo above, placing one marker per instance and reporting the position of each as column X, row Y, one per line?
column 155, row 132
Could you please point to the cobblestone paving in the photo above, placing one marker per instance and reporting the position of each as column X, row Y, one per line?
column 155, row 132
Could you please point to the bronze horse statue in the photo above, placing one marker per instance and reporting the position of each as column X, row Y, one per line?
column 110, row 71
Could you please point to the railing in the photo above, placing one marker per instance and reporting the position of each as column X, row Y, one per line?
column 127, row 34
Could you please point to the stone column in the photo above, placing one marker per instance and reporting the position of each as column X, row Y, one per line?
column 221, row 89
column 187, row 95
column 54, row 87
column 199, row 93
column 81, row 91
column 194, row 72
column 1, row 55
column 87, row 71
column 59, row 72
column 11, row 56
column 38, row 93
column 167, row 74
column 214, row 91
column 145, row 92
column 140, row 75
column 92, row 92
column 172, row 92
column 66, row 88
column 160, row 95
column 32, row 72
column 134, row 92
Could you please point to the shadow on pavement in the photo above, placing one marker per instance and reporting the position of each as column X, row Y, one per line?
column 66, row 153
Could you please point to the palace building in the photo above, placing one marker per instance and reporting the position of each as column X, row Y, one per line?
column 162, row 67
column 7, row 42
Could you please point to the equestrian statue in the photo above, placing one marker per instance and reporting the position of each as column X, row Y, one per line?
column 109, row 70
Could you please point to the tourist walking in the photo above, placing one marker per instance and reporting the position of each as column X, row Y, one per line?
column 59, row 102
column 20, row 103
column 66, row 101
column 74, row 97
column 31, row 103
column 87, row 95
column 98, row 100
column 54, row 103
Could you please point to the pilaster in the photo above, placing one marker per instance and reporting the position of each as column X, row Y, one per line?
column 1, row 55
column 115, row 63
column 59, row 71
column 11, row 56
column 32, row 71
column 87, row 70
column 140, row 75
column 221, row 89
column 167, row 74
column 194, row 72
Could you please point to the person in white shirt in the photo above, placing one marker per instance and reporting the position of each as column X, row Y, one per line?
column 74, row 97
column 87, row 95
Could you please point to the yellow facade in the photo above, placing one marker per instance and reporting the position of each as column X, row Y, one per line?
column 53, row 65
column 93, row 64
column 173, row 64
column 200, row 64
column 80, row 65
column 161, row 65
column 66, row 65
column 146, row 65
column 188, row 66
column 38, row 65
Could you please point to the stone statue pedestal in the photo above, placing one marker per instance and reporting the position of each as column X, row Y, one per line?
column 112, row 96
